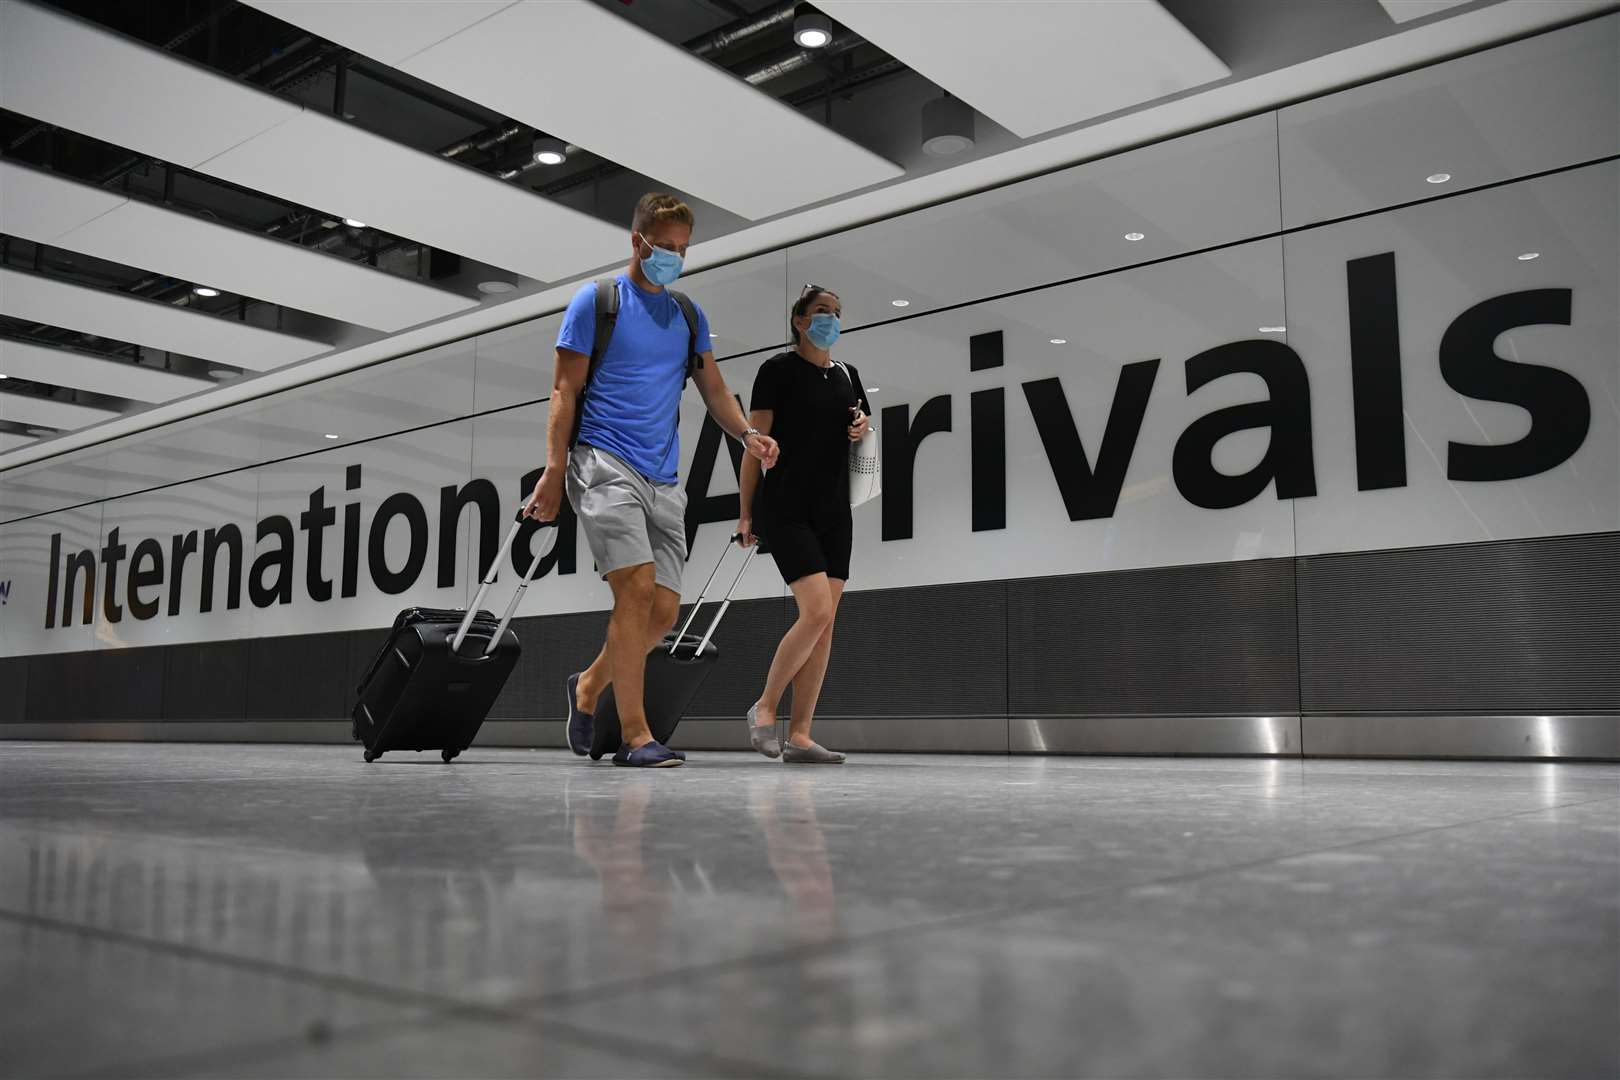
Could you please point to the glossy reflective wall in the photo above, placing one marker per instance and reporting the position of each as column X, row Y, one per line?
column 1151, row 425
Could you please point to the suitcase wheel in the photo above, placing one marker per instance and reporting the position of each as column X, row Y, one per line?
column 449, row 755
column 370, row 757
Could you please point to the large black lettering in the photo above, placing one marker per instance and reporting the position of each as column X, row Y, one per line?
column 1286, row 411
column 1560, row 411
column 452, row 501
column 701, row 507
column 111, row 556
column 1375, row 372
column 50, row 587
column 988, row 417
column 351, row 535
column 145, row 571
column 85, row 561
column 406, row 506
column 1090, row 493
column 564, row 552
column 314, row 522
column 901, row 437
column 183, row 547
column 227, row 536
column 278, row 559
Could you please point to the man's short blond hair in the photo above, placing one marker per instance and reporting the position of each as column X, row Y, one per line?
column 657, row 207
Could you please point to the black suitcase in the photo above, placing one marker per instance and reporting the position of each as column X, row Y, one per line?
column 439, row 673
column 676, row 671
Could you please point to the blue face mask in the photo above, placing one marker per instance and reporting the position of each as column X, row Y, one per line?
column 662, row 267
column 823, row 330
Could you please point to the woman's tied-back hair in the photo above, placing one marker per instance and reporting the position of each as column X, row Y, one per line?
column 657, row 207
column 809, row 296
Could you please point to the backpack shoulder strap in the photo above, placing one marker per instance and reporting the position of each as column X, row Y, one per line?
column 689, row 312
column 607, row 315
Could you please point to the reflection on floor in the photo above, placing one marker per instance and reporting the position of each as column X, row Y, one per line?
column 290, row 911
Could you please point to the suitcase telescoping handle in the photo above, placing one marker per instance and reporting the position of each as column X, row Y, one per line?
column 725, row 604
column 489, row 579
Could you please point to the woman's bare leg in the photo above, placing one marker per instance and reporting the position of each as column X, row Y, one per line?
column 814, row 595
column 807, row 683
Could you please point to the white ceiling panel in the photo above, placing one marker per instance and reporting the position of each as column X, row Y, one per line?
column 401, row 31
column 54, row 67
column 39, row 206
column 59, row 367
column 9, row 441
column 413, row 194
column 192, row 249
column 1034, row 66
column 542, row 62
column 1407, row 10
column 182, row 113
column 150, row 323
column 26, row 409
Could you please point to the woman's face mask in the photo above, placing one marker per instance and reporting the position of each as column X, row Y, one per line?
column 823, row 330
column 661, row 267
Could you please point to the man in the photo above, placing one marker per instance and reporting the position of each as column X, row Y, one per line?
column 621, row 471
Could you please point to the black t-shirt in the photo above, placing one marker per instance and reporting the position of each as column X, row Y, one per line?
column 810, row 422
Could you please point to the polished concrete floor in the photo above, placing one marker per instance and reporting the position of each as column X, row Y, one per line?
column 289, row 912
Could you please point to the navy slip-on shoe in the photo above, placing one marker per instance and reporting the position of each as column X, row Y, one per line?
column 652, row 755
column 579, row 723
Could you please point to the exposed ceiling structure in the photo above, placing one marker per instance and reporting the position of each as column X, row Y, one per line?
column 197, row 191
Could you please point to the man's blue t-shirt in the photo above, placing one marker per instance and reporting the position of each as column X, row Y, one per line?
column 632, row 405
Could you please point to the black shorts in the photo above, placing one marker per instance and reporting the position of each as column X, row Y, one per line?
column 803, row 548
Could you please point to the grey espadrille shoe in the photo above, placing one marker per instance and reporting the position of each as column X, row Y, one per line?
column 763, row 737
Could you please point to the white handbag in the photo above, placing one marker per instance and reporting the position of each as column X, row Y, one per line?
column 865, row 467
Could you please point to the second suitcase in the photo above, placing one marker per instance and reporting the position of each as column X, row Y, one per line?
column 676, row 671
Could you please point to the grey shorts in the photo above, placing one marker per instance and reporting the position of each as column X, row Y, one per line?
column 628, row 519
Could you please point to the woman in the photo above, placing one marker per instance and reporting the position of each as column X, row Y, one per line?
column 814, row 408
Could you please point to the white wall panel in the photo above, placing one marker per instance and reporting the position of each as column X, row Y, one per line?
column 38, row 206
column 1212, row 187
column 424, row 197
column 56, row 68
column 25, row 561
column 48, row 412
column 149, row 322
column 1547, row 101
column 1033, row 65
column 734, row 146
column 383, row 30
column 79, row 371
column 1448, row 257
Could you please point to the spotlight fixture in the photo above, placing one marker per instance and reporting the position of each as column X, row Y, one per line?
column 1438, row 178
column 550, row 151
column 354, row 223
column 1274, row 329
column 331, row 436
column 1060, row 341
column 4, row 376
column 1527, row 256
column 222, row 374
column 1133, row 237
column 204, row 290
column 901, row 303
column 495, row 288
column 812, row 29
column 947, row 126
column 873, row 389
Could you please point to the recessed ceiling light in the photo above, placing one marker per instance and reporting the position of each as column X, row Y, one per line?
column 1438, row 178
column 354, row 223
column 812, row 30
column 5, row 376
column 901, row 303
column 1274, row 329
column 1133, row 237
column 873, row 389
column 1527, row 256
column 495, row 288
column 204, row 290
column 1060, row 341
column 947, row 126
column 222, row 374
column 330, row 436
column 550, row 151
